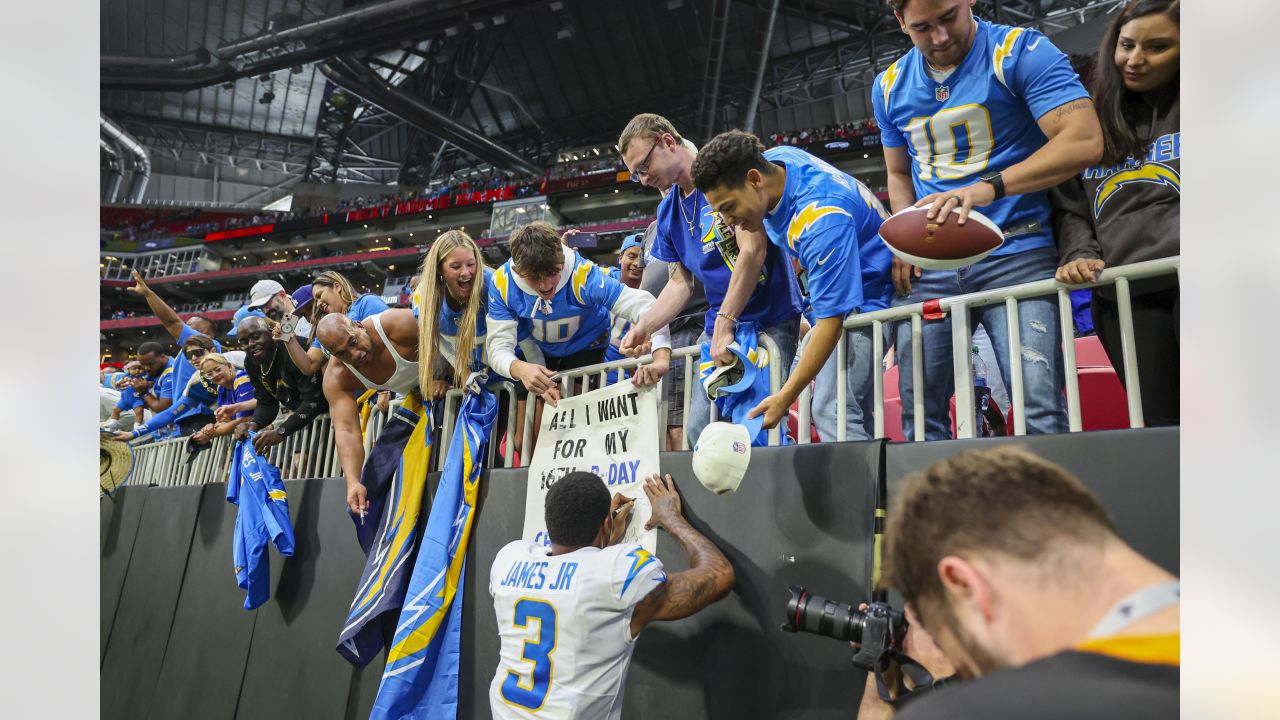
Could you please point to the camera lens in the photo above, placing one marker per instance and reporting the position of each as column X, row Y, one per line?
column 815, row 614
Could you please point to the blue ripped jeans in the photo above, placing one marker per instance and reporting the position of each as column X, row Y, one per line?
column 1043, row 378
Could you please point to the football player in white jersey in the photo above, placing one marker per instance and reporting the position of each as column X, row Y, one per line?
column 568, row 616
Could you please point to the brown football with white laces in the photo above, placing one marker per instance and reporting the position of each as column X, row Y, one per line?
column 933, row 246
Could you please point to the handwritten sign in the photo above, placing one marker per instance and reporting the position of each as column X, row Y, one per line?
column 612, row 433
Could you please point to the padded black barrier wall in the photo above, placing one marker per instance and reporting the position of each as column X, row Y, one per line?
column 1133, row 472
column 293, row 670
column 176, row 644
column 148, row 599
column 209, row 644
column 119, row 527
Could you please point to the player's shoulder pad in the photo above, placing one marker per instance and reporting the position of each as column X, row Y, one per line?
column 630, row 563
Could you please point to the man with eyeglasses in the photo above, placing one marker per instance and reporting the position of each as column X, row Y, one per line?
column 698, row 244
column 195, row 326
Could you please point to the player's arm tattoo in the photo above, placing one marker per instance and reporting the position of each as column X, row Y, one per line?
column 709, row 578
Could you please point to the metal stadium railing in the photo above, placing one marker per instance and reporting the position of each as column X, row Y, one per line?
column 311, row 453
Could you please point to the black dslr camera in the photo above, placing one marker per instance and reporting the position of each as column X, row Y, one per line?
column 879, row 632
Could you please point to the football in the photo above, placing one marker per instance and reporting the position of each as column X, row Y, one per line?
column 916, row 240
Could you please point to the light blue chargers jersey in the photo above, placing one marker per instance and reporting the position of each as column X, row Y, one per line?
column 576, row 318
column 980, row 119
column 830, row 222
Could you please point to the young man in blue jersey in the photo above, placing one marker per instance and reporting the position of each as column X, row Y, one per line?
column 829, row 222
column 565, row 301
column 987, row 116
column 696, row 243
column 198, row 417
column 629, row 270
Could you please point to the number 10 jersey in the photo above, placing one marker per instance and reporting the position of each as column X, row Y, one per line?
column 979, row 119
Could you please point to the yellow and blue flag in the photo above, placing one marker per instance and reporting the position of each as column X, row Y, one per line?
column 395, row 481
column 421, row 676
column 254, row 486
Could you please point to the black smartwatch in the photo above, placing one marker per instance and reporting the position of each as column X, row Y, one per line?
column 996, row 182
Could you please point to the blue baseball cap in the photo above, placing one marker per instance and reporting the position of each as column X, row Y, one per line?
column 301, row 297
column 632, row 240
column 244, row 312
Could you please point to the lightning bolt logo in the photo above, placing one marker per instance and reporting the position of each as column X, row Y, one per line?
column 807, row 217
column 887, row 81
column 640, row 558
column 1003, row 52
column 1147, row 173
column 580, row 275
column 500, row 281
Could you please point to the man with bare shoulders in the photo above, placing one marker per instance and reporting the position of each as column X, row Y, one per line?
column 386, row 493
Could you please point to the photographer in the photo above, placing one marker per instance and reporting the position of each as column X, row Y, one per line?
column 1013, row 565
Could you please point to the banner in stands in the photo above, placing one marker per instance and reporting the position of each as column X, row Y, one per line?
column 609, row 432
column 836, row 146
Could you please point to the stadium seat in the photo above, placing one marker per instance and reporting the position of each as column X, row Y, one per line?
column 1090, row 353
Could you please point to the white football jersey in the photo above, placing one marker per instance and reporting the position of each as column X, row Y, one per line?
column 565, row 624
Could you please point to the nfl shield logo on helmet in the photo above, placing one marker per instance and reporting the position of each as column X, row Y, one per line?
column 739, row 448
column 942, row 93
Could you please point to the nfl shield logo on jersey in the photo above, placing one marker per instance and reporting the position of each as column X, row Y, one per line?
column 942, row 93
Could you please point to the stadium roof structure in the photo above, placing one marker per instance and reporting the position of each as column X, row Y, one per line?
column 409, row 92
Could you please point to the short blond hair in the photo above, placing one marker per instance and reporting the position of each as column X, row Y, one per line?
column 646, row 125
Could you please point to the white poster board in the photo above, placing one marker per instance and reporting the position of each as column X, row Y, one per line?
column 611, row 432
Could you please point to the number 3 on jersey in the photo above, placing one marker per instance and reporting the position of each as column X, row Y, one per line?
column 952, row 143
column 538, row 652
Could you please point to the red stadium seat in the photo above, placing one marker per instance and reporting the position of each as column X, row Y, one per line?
column 1090, row 353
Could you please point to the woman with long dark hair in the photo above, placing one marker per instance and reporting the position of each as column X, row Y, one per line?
column 1126, row 208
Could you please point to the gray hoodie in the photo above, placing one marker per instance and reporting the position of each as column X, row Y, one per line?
column 1129, row 212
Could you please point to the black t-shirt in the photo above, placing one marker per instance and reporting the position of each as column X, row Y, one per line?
column 1070, row 685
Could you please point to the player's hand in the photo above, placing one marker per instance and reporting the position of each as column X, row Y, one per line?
column 979, row 194
column 620, row 511
column 664, row 502
column 241, row 432
column 140, row 286
column 1080, row 270
column 651, row 373
column 200, row 436
column 902, row 273
column 773, row 408
column 265, row 439
column 357, row 498
column 634, row 342
column 536, row 378
column 123, row 436
column 721, row 338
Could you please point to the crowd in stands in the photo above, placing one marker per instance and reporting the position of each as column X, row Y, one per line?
column 578, row 168
column 804, row 136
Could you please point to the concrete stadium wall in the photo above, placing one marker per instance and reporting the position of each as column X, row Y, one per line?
column 176, row 643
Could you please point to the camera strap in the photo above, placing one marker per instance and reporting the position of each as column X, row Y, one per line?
column 1133, row 608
